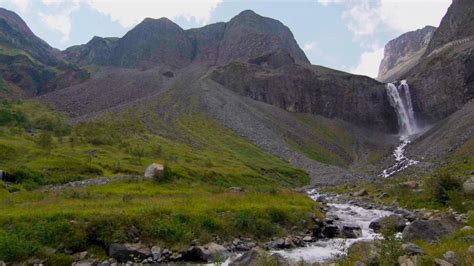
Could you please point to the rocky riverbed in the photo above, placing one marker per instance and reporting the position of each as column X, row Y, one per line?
column 349, row 219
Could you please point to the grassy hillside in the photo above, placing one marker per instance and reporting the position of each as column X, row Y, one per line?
column 40, row 148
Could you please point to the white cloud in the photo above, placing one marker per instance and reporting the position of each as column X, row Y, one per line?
column 369, row 63
column 59, row 16
column 22, row 5
column 61, row 23
column 129, row 13
column 403, row 15
column 328, row 2
column 367, row 18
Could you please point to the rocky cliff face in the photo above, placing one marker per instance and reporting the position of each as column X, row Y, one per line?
column 404, row 52
column 443, row 81
column 277, row 80
column 162, row 42
column 28, row 62
column 96, row 51
column 457, row 24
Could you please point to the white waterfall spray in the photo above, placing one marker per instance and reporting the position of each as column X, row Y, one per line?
column 400, row 99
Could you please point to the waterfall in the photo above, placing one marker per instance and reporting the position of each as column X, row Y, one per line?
column 400, row 99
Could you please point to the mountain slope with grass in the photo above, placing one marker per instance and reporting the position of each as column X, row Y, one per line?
column 28, row 65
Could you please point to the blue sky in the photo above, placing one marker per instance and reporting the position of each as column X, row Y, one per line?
column 348, row 35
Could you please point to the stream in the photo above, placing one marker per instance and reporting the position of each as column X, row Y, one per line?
column 325, row 250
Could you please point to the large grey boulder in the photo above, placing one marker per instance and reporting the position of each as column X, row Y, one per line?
column 351, row 231
column 468, row 186
column 391, row 222
column 155, row 171
column 412, row 249
column 129, row 252
column 208, row 253
column 431, row 230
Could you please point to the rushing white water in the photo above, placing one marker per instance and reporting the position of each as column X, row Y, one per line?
column 325, row 250
column 400, row 99
column 401, row 161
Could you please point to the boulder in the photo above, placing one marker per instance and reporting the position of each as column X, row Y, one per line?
column 236, row 189
column 156, row 252
column 208, row 253
column 451, row 257
column 470, row 250
column 351, row 231
column 257, row 256
column 431, row 230
column 155, row 171
column 360, row 193
column 330, row 231
column 391, row 222
column 409, row 261
column 410, row 184
column 412, row 249
column 440, row 262
column 249, row 258
column 468, row 186
column 128, row 252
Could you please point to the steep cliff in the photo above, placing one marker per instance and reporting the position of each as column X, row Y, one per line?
column 404, row 52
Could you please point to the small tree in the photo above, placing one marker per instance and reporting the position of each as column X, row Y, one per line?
column 45, row 141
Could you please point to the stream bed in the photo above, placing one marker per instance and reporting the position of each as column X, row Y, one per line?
column 328, row 249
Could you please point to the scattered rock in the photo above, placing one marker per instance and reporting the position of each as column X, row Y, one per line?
column 330, row 231
column 451, row 257
column 154, row 171
column 408, row 261
column 431, row 230
column 257, row 257
column 467, row 228
column 412, row 249
column 85, row 263
column 440, row 262
column 351, row 231
column 156, row 252
column 127, row 252
column 383, row 195
column 360, row 193
column 468, row 186
column 249, row 258
column 168, row 74
column 470, row 250
column 308, row 238
column 394, row 222
column 236, row 189
column 81, row 255
column 207, row 253
column 410, row 184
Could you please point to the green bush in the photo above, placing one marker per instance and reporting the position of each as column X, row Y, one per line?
column 14, row 248
column 444, row 187
column 171, row 231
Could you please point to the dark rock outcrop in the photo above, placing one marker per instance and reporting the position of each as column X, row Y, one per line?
column 249, row 35
column 158, row 42
column 404, row 52
column 128, row 252
column 458, row 23
column 96, row 51
column 274, row 79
